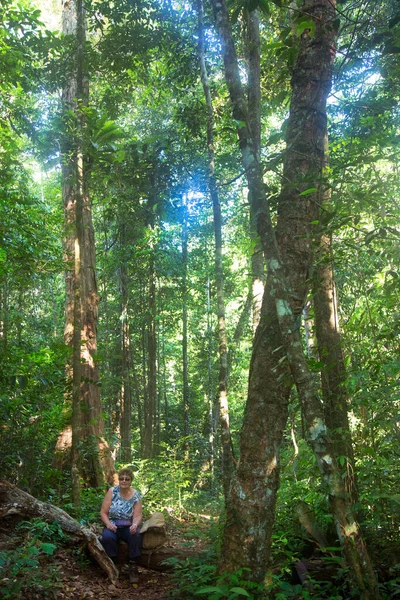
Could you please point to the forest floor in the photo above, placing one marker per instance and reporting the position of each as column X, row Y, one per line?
column 69, row 573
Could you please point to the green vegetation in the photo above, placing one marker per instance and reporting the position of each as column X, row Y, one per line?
column 144, row 141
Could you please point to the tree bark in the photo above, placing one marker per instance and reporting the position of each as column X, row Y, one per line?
column 289, row 258
column 210, row 387
column 243, row 320
column 151, row 313
column 254, row 112
column 333, row 374
column 98, row 463
column 227, row 462
column 126, row 388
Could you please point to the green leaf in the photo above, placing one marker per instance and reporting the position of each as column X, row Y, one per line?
column 303, row 24
column 309, row 191
column 48, row 548
column 209, row 589
column 284, row 585
column 240, row 591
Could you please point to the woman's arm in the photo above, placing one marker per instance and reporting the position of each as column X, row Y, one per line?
column 105, row 507
column 137, row 517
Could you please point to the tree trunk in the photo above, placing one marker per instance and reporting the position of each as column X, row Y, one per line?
column 278, row 343
column 98, row 463
column 333, row 374
column 254, row 112
column 210, row 386
column 185, row 366
column 227, row 462
column 151, row 312
column 126, row 390
column 239, row 329
column 4, row 315
column 146, row 431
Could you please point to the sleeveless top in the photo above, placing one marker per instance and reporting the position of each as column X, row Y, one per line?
column 120, row 508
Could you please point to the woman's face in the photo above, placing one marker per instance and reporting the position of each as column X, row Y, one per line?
column 124, row 481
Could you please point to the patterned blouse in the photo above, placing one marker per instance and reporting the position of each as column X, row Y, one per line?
column 120, row 508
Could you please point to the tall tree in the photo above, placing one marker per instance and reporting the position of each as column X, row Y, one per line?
column 81, row 286
column 252, row 43
column 289, row 258
column 150, row 398
column 223, row 405
column 185, row 363
column 126, row 388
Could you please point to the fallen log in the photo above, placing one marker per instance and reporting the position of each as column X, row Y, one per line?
column 14, row 501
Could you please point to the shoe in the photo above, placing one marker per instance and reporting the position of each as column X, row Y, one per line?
column 133, row 573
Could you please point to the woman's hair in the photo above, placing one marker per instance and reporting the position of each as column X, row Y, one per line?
column 126, row 472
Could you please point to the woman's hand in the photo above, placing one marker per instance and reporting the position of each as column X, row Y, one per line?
column 133, row 528
column 112, row 527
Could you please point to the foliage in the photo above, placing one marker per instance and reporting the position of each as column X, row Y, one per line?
column 22, row 569
column 146, row 152
column 197, row 577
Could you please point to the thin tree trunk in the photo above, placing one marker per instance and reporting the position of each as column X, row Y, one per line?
column 289, row 258
column 164, row 380
column 138, row 406
column 254, row 112
column 210, row 386
column 185, row 366
column 4, row 325
column 333, row 374
column 160, row 388
column 152, row 355
column 146, row 436
column 227, row 462
column 239, row 329
column 126, row 391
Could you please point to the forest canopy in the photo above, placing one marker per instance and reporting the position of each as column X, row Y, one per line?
column 199, row 270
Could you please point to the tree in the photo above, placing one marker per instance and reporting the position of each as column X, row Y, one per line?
column 289, row 260
column 223, row 406
column 81, row 286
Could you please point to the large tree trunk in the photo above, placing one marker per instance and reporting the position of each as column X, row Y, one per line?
column 98, row 463
column 227, row 462
column 278, row 343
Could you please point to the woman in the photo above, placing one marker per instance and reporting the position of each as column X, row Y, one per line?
column 121, row 513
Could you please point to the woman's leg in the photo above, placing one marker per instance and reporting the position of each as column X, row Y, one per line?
column 109, row 542
column 134, row 541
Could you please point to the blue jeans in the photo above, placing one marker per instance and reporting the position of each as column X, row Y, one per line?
column 110, row 540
